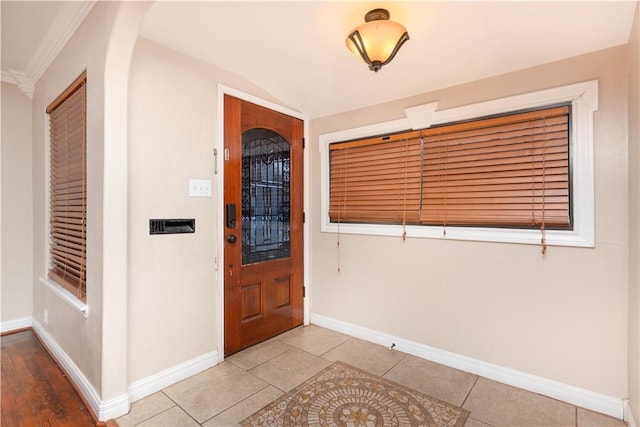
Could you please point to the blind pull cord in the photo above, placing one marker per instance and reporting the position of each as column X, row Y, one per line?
column 344, row 202
column 543, row 239
column 421, row 175
column 404, row 201
column 444, row 183
column 533, row 174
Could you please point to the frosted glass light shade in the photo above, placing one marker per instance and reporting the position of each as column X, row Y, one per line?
column 378, row 40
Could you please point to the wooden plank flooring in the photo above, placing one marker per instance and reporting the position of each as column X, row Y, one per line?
column 35, row 391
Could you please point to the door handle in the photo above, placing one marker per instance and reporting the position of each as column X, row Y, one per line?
column 232, row 238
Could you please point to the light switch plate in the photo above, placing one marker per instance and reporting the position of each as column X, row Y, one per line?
column 199, row 188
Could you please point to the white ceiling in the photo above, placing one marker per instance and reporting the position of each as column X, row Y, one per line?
column 296, row 51
column 33, row 33
column 24, row 24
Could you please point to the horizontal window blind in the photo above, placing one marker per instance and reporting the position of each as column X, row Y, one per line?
column 68, row 188
column 505, row 171
column 376, row 180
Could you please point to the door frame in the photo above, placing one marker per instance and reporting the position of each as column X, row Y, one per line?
column 220, row 233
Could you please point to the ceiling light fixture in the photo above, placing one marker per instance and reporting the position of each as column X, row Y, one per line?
column 377, row 40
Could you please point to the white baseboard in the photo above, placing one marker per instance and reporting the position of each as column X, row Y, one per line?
column 120, row 405
column 154, row 383
column 596, row 402
column 15, row 324
column 628, row 414
column 113, row 408
column 103, row 410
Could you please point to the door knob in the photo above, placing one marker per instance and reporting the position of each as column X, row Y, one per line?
column 231, row 238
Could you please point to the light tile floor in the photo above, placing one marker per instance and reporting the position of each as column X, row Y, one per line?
column 247, row 381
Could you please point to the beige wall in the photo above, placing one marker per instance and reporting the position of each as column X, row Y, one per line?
column 17, row 213
column 173, row 118
column 634, row 216
column 562, row 316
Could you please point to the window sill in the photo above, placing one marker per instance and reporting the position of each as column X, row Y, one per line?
column 66, row 296
column 501, row 235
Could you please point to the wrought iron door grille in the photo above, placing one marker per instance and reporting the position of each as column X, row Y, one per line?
column 266, row 206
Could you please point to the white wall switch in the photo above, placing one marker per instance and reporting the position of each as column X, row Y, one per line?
column 199, row 188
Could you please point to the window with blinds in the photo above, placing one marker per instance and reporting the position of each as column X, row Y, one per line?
column 507, row 171
column 376, row 180
column 68, row 188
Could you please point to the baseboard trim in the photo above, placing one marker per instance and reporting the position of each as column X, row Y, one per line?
column 112, row 408
column 16, row 324
column 583, row 398
column 103, row 410
column 154, row 383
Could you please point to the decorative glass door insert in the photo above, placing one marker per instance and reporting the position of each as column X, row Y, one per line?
column 266, row 201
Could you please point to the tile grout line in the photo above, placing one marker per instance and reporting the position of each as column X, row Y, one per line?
column 264, row 361
column 267, row 384
column 157, row 413
column 395, row 364
column 469, row 393
column 178, row 405
column 163, row 411
column 334, row 347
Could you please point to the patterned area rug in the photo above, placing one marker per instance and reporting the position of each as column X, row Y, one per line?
column 342, row 395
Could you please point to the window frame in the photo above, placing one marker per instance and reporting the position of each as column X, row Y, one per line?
column 583, row 98
column 65, row 291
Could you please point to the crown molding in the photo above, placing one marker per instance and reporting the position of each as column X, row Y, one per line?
column 62, row 27
column 7, row 77
column 20, row 79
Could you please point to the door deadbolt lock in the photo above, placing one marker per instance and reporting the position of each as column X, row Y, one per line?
column 232, row 238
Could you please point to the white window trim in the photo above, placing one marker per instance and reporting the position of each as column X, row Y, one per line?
column 65, row 295
column 584, row 101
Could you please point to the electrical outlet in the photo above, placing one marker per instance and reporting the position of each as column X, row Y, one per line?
column 199, row 188
column 45, row 315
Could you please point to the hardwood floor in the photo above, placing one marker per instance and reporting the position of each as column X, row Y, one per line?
column 35, row 391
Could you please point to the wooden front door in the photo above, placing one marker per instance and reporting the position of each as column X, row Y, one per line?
column 263, row 224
